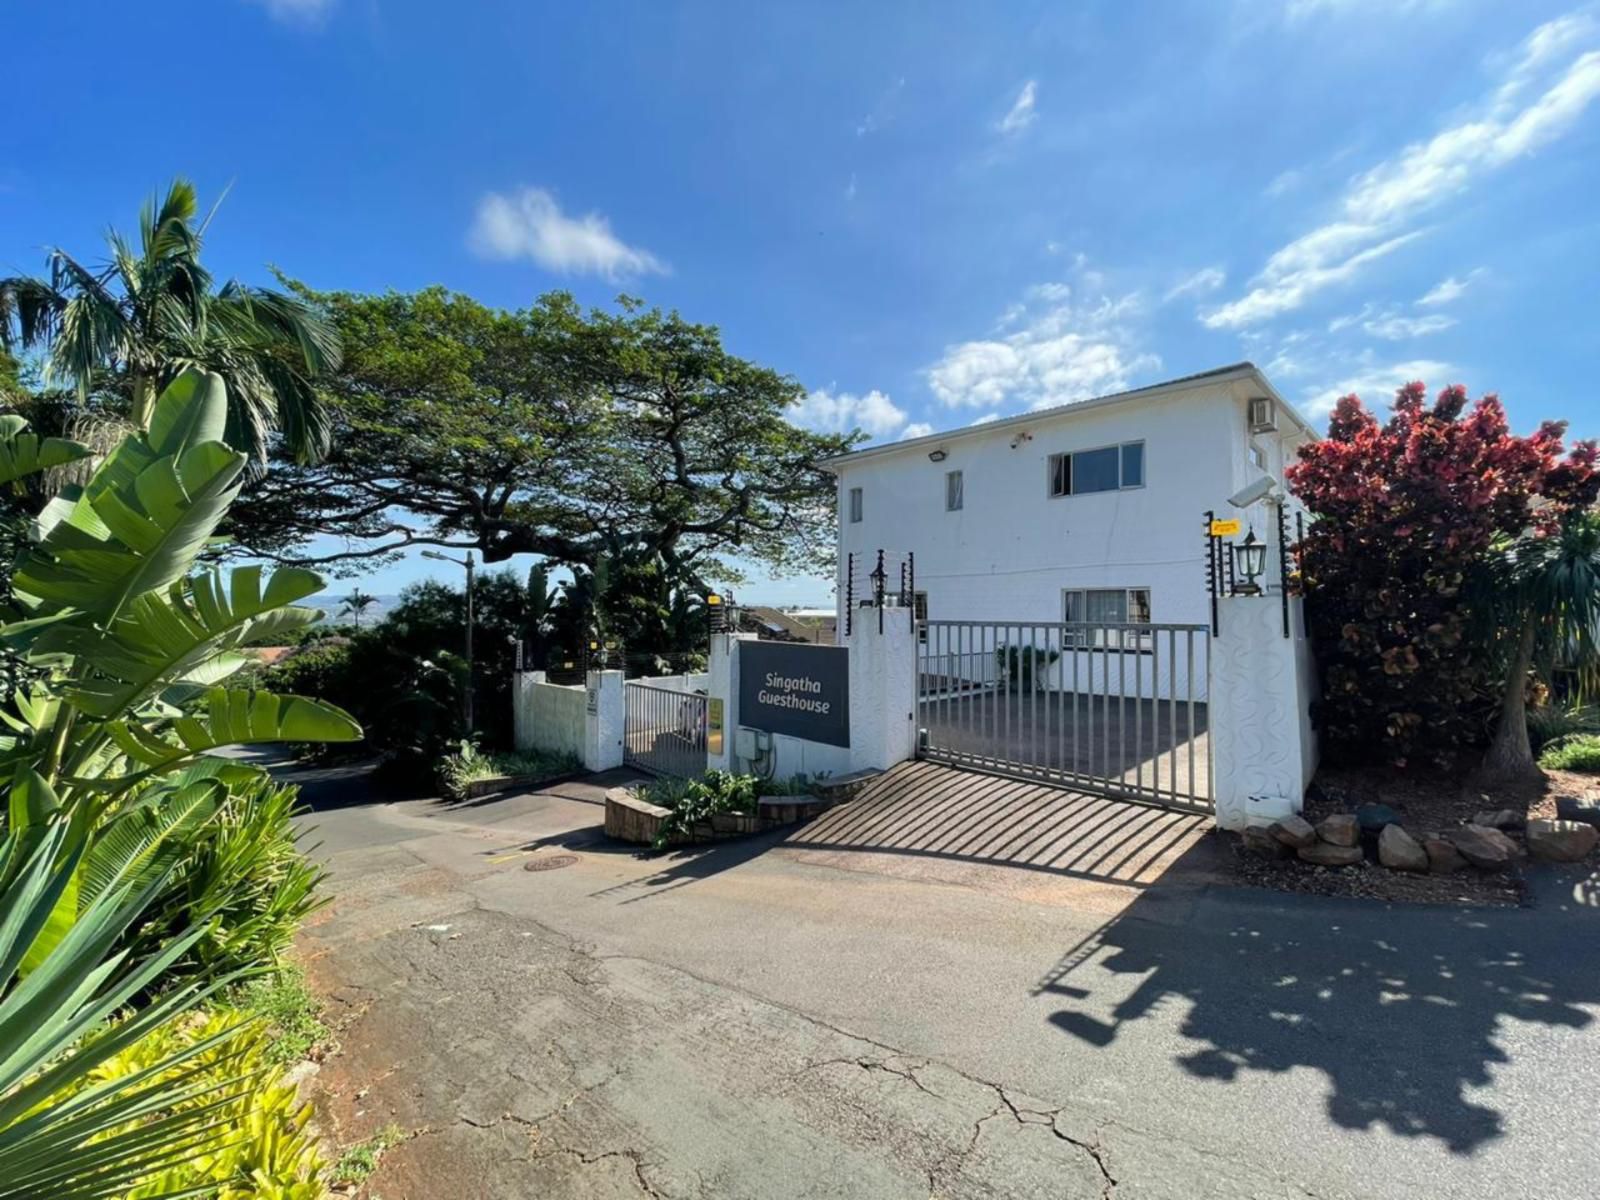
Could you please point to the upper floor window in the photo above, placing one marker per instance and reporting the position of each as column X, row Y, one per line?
column 855, row 506
column 953, row 496
column 1258, row 457
column 1106, row 469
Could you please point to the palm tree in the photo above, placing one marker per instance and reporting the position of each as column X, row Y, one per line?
column 1550, row 591
column 131, row 326
column 356, row 603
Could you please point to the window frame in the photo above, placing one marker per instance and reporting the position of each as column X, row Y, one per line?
column 959, row 494
column 1109, row 639
column 855, row 505
column 1053, row 460
column 1258, row 457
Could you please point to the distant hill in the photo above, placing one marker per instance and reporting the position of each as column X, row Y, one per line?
column 332, row 600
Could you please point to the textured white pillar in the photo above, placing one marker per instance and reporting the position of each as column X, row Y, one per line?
column 883, row 689
column 1263, row 749
column 605, row 713
column 723, row 685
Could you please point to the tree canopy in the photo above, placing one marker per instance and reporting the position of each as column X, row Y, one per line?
column 576, row 436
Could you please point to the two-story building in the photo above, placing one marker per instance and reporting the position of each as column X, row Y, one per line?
column 1088, row 512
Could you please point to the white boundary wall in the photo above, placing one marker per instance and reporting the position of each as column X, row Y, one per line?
column 585, row 720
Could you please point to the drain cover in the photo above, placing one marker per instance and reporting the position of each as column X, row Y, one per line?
column 550, row 862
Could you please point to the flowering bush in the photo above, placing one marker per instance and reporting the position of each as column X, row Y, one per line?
column 1406, row 513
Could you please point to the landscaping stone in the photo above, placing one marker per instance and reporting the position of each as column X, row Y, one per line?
column 1486, row 848
column 1443, row 857
column 1341, row 829
column 1326, row 854
column 1373, row 818
column 836, row 789
column 630, row 819
column 1261, row 840
column 789, row 810
column 1561, row 841
column 734, row 823
column 1500, row 818
column 1399, row 851
column 1293, row 831
column 1577, row 808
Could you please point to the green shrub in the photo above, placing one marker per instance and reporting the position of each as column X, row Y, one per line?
column 467, row 764
column 1575, row 752
column 356, row 1165
column 695, row 801
column 1549, row 722
column 289, row 1013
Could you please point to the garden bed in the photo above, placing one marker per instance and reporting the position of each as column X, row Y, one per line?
column 1422, row 805
column 632, row 816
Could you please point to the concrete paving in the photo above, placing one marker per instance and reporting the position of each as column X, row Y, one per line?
column 884, row 1009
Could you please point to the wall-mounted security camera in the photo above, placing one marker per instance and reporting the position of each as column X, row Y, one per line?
column 1261, row 489
column 1024, row 436
column 937, row 455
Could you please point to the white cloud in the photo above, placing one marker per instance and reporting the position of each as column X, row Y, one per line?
column 840, row 412
column 1059, row 352
column 1448, row 291
column 915, row 430
column 1380, row 208
column 297, row 12
column 1021, row 114
column 1207, row 279
column 530, row 224
column 1396, row 328
column 1376, row 385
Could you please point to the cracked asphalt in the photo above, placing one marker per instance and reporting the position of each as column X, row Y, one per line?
column 765, row 1020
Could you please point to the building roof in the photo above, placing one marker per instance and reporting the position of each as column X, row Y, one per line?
column 1239, row 370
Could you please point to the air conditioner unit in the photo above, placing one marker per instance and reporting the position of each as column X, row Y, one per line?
column 1263, row 415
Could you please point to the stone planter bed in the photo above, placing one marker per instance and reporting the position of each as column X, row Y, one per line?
column 1429, row 839
column 506, row 783
column 630, row 819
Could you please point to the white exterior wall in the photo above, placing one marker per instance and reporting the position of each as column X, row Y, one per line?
column 1012, row 548
column 548, row 716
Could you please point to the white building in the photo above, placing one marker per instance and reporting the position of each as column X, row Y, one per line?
column 1092, row 511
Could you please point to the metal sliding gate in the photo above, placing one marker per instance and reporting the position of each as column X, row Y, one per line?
column 664, row 731
column 1117, row 709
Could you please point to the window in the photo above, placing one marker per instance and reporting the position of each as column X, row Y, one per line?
column 1257, row 457
column 952, row 491
column 1107, row 608
column 1107, row 469
column 855, row 506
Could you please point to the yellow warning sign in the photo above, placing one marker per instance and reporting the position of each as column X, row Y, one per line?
column 1225, row 528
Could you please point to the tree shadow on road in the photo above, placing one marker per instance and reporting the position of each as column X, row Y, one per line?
column 1400, row 1007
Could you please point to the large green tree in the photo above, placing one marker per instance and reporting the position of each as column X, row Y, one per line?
column 125, row 329
column 571, row 435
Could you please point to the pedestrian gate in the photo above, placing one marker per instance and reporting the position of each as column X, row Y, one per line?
column 1119, row 709
column 664, row 730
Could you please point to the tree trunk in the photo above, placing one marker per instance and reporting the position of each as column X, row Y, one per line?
column 143, row 395
column 1510, row 753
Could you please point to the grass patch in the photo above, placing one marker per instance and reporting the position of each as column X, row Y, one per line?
column 289, row 1010
column 356, row 1165
column 1575, row 752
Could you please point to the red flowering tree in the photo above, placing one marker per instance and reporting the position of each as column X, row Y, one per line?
column 1408, row 514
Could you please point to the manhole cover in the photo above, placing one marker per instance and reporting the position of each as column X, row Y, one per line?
column 550, row 862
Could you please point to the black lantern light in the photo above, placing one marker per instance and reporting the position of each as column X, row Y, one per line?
column 1250, row 558
column 880, row 580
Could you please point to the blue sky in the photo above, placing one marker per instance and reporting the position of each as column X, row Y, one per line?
column 928, row 213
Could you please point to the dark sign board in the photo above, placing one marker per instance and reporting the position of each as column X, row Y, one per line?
column 797, row 690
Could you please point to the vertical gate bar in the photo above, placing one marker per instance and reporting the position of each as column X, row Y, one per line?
column 1076, row 728
column 1122, row 709
column 1172, row 712
column 1105, row 703
column 1189, row 651
column 1033, row 697
column 1138, row 716
column 1155, row 712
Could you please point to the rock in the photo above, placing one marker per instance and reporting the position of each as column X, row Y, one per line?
column 1443, row 857
column 1500, row 818
column 1293, row 831
column 1399, row 851
column 1326, row 854
column 1484, row 847
column 1373, row 818
column 1561, row 841
column 1576, row 808
column 1260, row 840
column 1340, row 829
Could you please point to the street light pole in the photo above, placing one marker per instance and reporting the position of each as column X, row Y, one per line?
column 471, row 566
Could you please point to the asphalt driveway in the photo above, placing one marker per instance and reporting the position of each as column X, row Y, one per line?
column 926, row 1007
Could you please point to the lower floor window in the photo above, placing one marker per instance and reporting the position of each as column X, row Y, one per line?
column 1099, row 611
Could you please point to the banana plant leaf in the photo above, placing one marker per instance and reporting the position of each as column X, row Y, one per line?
column 24, row 453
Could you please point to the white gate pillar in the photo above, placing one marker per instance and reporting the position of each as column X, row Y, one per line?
column 722, row 665
column 883, row 689
column 605, row 712
column 1263, row 749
